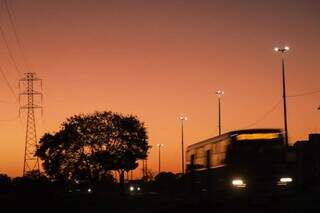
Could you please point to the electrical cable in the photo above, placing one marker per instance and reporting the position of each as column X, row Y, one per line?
column 264, row 115
column 12, row 19
column 7, row 83
column 9, row 51
column 304, row 94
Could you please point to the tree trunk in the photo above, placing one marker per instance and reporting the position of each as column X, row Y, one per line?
column 122, row 187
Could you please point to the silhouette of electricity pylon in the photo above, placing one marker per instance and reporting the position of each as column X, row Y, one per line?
column 31, row 162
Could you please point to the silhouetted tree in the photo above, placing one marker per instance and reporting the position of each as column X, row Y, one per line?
column 105, row 185
column 166, row 181
column 88, row 147
column 32, row 181
column 5, row 183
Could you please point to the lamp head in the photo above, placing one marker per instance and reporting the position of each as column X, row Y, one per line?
column 219, row 93
column 182, row 117
column 282, row 50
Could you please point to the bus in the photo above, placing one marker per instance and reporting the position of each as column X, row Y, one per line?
column 241, row 162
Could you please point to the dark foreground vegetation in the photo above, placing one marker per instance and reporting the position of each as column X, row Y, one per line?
column 166, row 193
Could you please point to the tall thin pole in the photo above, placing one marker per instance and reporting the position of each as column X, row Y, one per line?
column 182, row 119
column 145, row 168
column 219, row 115
column 219, row 93
column 159, row 157
column 146, row 165
column 283, row 51
column 284, row 102
column 182, row 148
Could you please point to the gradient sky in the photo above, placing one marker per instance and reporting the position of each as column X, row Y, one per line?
column 160, row 59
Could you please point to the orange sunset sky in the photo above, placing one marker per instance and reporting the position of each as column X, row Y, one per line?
column 158, row 60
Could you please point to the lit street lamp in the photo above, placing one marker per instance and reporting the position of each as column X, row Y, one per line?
column 159, row 145
column 182, row 118
column 219, row 93
column 283, row 51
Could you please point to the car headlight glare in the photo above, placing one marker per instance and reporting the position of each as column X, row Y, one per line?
column 238, row 183
column 286, row 180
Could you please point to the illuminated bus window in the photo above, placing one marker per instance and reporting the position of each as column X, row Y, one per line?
column 218, row 147
column 214, row 148
column 200, row 158
column 216, row 160
column 224, row 145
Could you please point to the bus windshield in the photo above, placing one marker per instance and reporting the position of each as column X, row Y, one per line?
column 253, row 151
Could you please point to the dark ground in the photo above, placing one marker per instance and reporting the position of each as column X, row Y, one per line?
column 306, row 201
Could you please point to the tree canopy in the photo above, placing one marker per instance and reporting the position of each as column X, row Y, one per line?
column 87, row 147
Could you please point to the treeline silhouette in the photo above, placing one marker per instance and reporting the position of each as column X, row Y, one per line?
column 36, row 182
column 39, row 193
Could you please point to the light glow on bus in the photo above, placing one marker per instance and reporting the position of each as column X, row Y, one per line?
column 258, row 136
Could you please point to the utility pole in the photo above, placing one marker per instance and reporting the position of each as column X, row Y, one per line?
column 219, row 93
column 145, row 168
column 284, row 51
column 159, row 156
column 31, row 162
column 182, row 119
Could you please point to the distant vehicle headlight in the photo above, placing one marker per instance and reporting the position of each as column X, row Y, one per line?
column 286, row 180
column 89, row 190
column 138, row 188
column 131, row 188
column 238, row 183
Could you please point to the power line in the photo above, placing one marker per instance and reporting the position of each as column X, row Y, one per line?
column 304, row 94
column 12, row 19
column 264, row 115
column 7, row 83
column 9, row 51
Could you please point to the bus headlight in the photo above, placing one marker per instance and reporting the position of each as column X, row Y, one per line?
column 284, row 181
column 131, row 188
column 238, row 183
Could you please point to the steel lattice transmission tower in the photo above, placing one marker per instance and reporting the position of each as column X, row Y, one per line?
column 31, row 162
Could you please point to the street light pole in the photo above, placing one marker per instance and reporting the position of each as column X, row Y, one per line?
column 219, row 93
column 159, row 168
column 146, row 167
column 182, row 118
column 283, row 51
